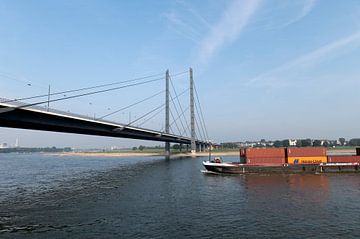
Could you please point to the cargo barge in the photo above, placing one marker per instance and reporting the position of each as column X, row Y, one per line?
column 285, row 160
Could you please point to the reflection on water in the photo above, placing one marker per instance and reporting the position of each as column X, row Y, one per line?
column 159, row 198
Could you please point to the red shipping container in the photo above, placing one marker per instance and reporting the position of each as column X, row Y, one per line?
column 306, row 152
column 344, row 159
column 265, row 152
column 261, row 161
column 242, row 152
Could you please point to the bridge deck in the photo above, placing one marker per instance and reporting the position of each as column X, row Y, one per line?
column 13, row 115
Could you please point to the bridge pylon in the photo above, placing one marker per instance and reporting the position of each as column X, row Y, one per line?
column 167, row 111
column 192, row 113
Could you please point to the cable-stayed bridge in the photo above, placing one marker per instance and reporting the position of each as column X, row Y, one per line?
column 182, row 125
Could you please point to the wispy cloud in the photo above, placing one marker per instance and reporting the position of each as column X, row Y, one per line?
column 194, row 13
column 303, row 9
column 309, row 5
column 307, row 8
column 186, row 21
column 232, row 23
column 181, row 27
column 310, row 59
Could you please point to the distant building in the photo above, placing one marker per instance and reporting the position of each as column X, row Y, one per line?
column 292, row 142
column 4, row 146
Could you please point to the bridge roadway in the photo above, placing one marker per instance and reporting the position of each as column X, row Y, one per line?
column 12, row 115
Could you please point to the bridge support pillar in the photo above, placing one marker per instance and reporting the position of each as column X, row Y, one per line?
column 167, row 149
column 167, row 112
column 192, row 114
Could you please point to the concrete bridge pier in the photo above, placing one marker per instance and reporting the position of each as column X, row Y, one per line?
column 167, row 149
column 199, row 147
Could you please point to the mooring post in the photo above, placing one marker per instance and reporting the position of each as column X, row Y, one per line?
column 192, row 113
column 167, row 112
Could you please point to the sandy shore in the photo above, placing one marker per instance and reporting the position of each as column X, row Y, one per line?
column 129, row 154
column 203, row 154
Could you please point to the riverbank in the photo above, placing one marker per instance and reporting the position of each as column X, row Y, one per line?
column 177, row 154
column 143, row 154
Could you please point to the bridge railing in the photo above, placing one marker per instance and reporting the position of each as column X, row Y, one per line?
column 16, row 103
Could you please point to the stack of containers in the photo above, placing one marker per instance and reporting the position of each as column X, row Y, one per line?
column 242, row 152
column 265, row 156
column 311, row 155
column 242, row 155
column 345, row 159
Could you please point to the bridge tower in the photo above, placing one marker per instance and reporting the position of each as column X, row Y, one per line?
column 167, row 112
column 192, row 113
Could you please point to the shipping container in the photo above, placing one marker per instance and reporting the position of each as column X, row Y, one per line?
column 265, row 152
column 307, row 160
column 358, row 151
column 263, row 160
column 344, row 159
column 242, row 152
column 306, row 152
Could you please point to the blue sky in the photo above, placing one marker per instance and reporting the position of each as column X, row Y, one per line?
column 263, row 69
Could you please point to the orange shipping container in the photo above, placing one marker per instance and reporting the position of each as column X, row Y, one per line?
column 307, row 160
column 306, row 152
column 265, row 152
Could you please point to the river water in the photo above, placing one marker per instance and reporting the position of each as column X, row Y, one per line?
column 148, row 197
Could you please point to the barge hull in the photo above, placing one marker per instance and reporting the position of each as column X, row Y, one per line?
column 279, row 169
